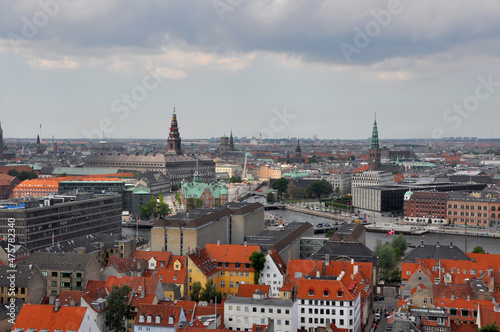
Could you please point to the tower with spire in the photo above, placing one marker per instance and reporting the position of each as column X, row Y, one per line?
column 1, row 142
column 231, row 141
column 298, row 150
column 374, row 153
column 174, row 138
column 38, row 145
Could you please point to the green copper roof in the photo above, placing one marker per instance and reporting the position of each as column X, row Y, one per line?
column 424, row 164
column 141, row 191
column 375, row 135
column 195, row 189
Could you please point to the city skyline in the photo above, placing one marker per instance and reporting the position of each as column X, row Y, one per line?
column 276, row 68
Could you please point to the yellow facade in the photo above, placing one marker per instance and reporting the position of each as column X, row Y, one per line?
column 229, row 280
column 194, row 274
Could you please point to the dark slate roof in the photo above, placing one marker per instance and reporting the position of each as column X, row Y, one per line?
column 279, row 239
column 248, row 208
column 91, row 243
column 436, row 251
column 350, row 230
column 23, row 275
column 350, row 250
column 195, row 218
column 154, row 177
column 57, row 261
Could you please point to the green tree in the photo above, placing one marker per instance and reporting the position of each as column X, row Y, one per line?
column 281, row 185
column 149, row 209
column 195, row 291
column 258, row 260
column 23, row 175
column 320, row 188
column 209, row 292
column 235, row 179
column 174, row 188
column 329, row 233
column 489, row 328
column 163, row 208
column 387, row 257
column 478, row 250
column 270, row 197
column 118, row 309
column 400, row 245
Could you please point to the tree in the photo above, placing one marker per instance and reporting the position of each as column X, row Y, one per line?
column 258, row 260
column 320, row 188
column 118, row 309
column 210, row 292
column 387, row 258
column 174, row 188
column 23, row 175
column 281, row 185
column 234, row 179
column 478, row 250
column 400, row 245
column 149, row 209
column 195, row 291
column 489, row 328
column 329, row 233
column 270, row 197
column 163, row 208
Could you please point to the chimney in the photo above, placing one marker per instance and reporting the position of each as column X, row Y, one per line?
column 437, row 244
column 52, row 299
column 473, row 260
column 327, row 259
column 451, row 244
column 455, row 258
column 422, row 243
column 468, row 298
column 355, row 269
column 245, row 243
column 56, row 305
column 218, row 243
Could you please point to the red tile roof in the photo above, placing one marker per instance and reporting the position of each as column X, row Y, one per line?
column 232, row 253
column 65, row 297
column 275, row 256
column 154, row 311
column 247, row 290
column 42, row 316
column 159, row 256
column 123, row 264
column 204, row 263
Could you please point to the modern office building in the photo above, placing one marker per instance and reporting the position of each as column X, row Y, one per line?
column 42, row 222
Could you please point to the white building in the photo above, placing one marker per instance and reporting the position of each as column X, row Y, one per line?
column 241, row 313
column 342, row 181
column 325, row 301
column 273, row 273
column 372, row 178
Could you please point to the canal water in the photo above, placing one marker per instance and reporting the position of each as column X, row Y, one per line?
column 491, row 245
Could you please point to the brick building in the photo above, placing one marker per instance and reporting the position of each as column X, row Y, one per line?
column 425, row 205
column 476, row 209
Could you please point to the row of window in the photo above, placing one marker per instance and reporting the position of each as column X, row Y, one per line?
column 236, row 265
column 63, row 274
column 262, row 309
column 338, row 322
column 322, row 311
column 327, row 303
column 237, row 273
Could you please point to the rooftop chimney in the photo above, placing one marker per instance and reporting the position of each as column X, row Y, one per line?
column 218, row 243
column 422, row 243
column 451, row 244
column 437, row 244
column 56, row 305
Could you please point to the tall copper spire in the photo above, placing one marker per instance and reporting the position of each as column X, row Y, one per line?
column 174, row 138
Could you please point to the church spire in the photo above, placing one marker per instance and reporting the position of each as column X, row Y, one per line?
column 375, row 135
column 231, row 141
column 174, row 138
column 298, row 150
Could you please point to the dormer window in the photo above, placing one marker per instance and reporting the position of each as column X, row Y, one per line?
column 326, row 292
column 311, row 292
column 150, row 319
column 157, row 319
column 339, row 293
column 141, row 319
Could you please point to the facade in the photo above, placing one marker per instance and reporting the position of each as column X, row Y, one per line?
column 476, row 209
column 425, row 205
column 7, row 185
column 224, row 145
column 242, row 313
column 233, row 263
column 273, row 273
column 65, row 272
column 343, row 181
column 201, row 268
column 246, row 219
column 391, row 198
column 97, row 187
column 372, row 178
column 230, row 169
column 41, row 223
column 158, row 318
column 268, row 172
column 30, row 285
column 140, row 196
column 197, row 194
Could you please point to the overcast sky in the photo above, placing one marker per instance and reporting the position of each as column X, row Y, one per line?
column 278, row 68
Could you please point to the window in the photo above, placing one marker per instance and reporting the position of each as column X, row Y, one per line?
column 279, row 321
column 44, row 273
column 287, row 311
column 339, row 293
column 464, row 312
column 222, row 284
column 246, row 309
column 441, row 329
column 270, row 310
column 263, row 321
column 237, row 265
column 54, row 283
column 254, row 309
column 425, row 300
column 428, row 329
column 222, row 273
column 54, row 274
column 311, row 292
column 326, row 292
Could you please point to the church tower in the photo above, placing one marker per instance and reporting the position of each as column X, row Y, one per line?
column 298, row 150
column 174, row 138
column 38, row 145
column 374, row 148
column 231, row 141
column 1, row 142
